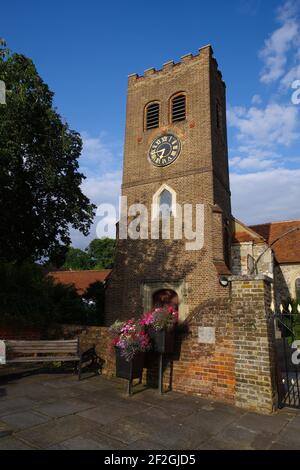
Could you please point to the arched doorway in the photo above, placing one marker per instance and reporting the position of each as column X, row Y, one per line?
column 165, row 297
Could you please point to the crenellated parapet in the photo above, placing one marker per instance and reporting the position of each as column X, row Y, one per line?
column 171, row 66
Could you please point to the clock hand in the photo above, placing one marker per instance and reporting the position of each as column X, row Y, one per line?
column 160, row 153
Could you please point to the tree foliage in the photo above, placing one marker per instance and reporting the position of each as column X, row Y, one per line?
column 100, row 254
column 29, row 297
column 40, row 194
column 77, row 260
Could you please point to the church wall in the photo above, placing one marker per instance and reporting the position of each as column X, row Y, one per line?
column 191, row 176
column 240, row 258
column 285, row 281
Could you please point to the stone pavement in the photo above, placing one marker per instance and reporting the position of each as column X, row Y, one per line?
column 55, row 411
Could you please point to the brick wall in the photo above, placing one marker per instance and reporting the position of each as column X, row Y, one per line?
column 89, row 336
column 238, row 366
column 20, row 333
column 254, row 343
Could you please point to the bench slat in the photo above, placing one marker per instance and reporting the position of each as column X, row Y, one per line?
column 41, row 343
column 43, row 359
column 38, row 348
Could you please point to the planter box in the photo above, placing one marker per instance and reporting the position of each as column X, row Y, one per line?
column 129, row 370
column 163, row 341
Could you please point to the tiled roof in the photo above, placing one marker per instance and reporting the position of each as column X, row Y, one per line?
column 81, row 280
column 244, row 234
column 287, row 249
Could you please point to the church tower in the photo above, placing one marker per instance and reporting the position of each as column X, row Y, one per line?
column 175, row 154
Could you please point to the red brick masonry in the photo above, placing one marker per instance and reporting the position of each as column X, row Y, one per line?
column 238, row 366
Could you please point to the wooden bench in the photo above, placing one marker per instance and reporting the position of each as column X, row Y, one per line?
column 19, row 352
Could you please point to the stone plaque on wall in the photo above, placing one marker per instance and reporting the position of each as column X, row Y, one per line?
column 206, row 335
column 2, row 353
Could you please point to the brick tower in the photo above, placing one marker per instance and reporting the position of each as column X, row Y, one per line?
column 175, row 151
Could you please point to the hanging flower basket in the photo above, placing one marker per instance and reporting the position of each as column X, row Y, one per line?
column 163, row 340
column 130, row 341
column 129, row 370
column 160, row 325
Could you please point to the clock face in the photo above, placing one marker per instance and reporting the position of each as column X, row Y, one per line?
column 165, row 150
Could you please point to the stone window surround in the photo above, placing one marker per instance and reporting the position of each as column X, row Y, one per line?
column 156, row 201
column 150, row 287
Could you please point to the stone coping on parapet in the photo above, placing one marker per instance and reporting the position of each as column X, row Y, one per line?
column 250, row 277
column 171, row 65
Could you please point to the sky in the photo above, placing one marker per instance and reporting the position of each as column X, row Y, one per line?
column 86, row 50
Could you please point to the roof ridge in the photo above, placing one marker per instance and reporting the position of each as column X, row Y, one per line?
column 276, row 222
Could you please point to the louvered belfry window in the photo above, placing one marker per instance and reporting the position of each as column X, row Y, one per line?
column 152, row 116
column 178, row 108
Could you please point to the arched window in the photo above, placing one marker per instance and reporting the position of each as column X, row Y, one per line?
column 165, row 203
column 297, row 287
column 178, row 107
column 151, row 119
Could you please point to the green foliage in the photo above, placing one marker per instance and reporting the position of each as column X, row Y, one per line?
column 29, row 297
column 40, row 185
column 102, row 253
column 77, row 260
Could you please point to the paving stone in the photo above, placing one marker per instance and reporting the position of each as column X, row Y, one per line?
column 88, row 442
column 14, row 405
column 97, row 414
column 215, row 444
column 24, row 420
column 153, row 397
column 111, row 411
column 238, row 437
column 212, row 421
column 183, row 407
column 5, row 429
column 143, row 444
column 114, row 399
column 11, row 443
column 154, row 423
column 272, row 424
column 56, row 431
column 290, row 436
column 281, row 446
column 66, row 407
column 125, row 431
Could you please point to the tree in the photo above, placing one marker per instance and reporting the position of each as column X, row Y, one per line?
column 102, row 253
column 40, row 195
column 77, row 260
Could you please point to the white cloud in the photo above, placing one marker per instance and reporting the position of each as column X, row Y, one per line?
column 103, row 189
column 266, row 196
column 290, row 77
column 265, row 127
column 251, row 163
column 98, row 155
column 280, row 43
column 256, row 100
column 100, row 162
